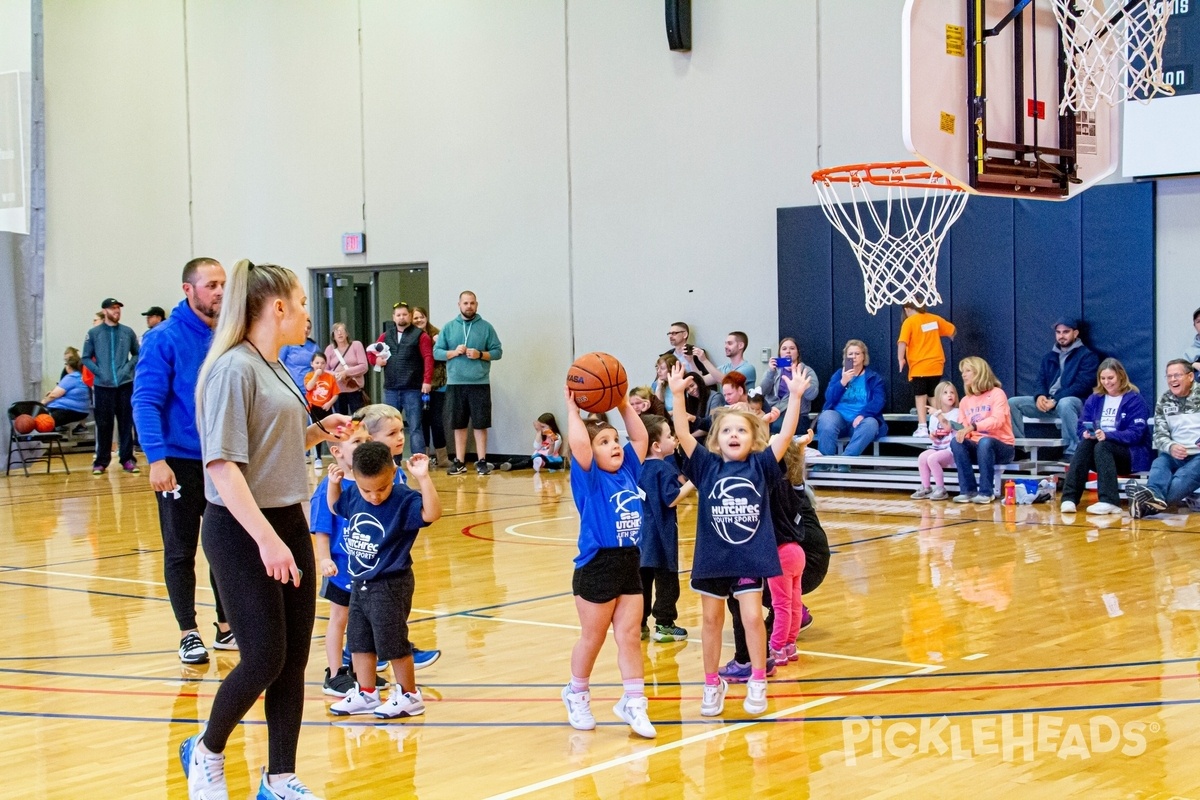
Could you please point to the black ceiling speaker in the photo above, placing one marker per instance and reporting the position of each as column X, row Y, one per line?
column 679, row 24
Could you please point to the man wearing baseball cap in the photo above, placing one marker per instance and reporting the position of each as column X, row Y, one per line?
column 110, row 351
column 154, row 316
column 1067, row 376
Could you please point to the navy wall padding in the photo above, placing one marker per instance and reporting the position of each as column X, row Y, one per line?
column 1007, row 270
column 1046, row 258
column 1118, row 278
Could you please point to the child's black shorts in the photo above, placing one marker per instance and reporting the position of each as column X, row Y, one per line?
column 726, row 587
column 922, row 385
column 379, row 612
column 612, row 572
column 334, row 594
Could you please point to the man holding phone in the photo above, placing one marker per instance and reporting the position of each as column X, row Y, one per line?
column 677, row 335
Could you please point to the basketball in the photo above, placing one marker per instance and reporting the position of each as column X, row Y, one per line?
column 597, row 381
column 24, row 424
column 44, row 423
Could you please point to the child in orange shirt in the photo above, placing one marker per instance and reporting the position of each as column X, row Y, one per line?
column 920, row 345
column 321, row 390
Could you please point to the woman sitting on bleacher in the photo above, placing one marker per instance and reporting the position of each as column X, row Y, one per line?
column 70, row 401
column 853, row 405
column 986, row 436
column 1114, row 439
column 774, row 390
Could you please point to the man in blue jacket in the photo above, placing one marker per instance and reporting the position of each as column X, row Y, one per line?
column 1067, row 376
column 110, row 351
column 468, row 344
column 164, row 405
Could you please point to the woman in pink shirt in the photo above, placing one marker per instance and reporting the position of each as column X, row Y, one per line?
column 985, row 437
column 347, row 360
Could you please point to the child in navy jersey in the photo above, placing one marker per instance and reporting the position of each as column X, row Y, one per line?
column 664, row 487
column 735, row 540
column 607, row 584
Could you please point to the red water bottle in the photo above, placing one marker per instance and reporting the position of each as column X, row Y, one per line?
column 1010, row 493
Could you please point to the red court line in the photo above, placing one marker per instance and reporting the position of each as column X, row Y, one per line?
column 469, row 531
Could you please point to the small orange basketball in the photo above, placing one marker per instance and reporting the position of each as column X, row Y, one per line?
column 44, row 423
column 24, row 424
column 597, row 381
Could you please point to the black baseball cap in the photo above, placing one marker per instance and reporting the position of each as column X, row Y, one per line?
column 155, row 311
column 109, row 302
column 1068, row 322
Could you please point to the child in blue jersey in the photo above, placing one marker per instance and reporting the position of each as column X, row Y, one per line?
column 663, row 487
column 382, row 521
column 332, row 562
column 735, row 540
column 607, row 584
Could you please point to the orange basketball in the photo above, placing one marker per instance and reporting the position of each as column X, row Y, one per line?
column 44, row 423
column 598, row 382
column 24, row 424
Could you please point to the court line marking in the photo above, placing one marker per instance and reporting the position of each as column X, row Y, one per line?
column 685, row 741
column 99, row 577
column 868, row 660
column 521, row 621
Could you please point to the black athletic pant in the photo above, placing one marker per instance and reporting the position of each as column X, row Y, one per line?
column 1108, row 458
column 180, row 524
column 64, row 416
column 273, row 623
column 664, row 605
column 741, row 653
column 433, row 421
column 113, row 403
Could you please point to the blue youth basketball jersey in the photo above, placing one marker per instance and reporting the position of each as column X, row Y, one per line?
column 610, row 506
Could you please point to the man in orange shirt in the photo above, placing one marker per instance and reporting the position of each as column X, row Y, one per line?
column 920, row 346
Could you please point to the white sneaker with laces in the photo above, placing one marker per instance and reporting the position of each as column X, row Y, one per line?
column 401, row 704
column 1103, row 508
column 633, row 711
column 317, row 466
column 356, row 703
column 1067, row 507
column 205, row 771
column 713, row 702
column 579, row 709
column 921, row 432
column 962, row 498
column 290, row 789
column 756, row 697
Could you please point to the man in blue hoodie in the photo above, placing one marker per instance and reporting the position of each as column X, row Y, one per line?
column 110, row 351
column 468, row 344
column 1067, row 377
column 164, row 406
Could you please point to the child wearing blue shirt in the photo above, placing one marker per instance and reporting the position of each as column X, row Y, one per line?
column 663, row 487
column 607, row 584
column 382, row 520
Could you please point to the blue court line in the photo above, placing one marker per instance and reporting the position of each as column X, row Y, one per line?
column 425, row 723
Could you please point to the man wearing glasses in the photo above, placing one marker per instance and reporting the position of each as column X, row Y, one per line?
column 1175, row 474
column 678, row 335
column 407, row 372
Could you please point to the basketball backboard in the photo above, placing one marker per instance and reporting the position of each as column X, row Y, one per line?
column 982, row 81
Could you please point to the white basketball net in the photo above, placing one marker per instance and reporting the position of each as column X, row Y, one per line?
column 1113, row 50
column 896, row 242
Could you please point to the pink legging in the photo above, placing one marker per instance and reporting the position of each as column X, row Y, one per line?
column 786, row 596
column 932, row 463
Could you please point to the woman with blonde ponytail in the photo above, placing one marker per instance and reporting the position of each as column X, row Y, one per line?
column 254, row 431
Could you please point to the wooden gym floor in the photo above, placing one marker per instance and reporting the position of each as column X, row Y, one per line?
column 957, row 651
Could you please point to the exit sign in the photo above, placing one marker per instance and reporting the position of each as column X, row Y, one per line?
column 354, row 243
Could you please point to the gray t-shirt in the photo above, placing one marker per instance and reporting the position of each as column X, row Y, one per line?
column 254, row 417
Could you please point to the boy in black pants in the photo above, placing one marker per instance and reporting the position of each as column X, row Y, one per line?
column 383, row 520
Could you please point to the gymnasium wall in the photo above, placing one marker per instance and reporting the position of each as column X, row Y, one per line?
column 552, row 155
column 1006, row 272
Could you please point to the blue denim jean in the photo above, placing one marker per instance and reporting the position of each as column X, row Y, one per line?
column 831, row 426
column 408, row 402
column 988, row 452
column 1174, row 480
column 1066, row 410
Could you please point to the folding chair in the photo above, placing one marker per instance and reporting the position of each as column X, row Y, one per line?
column 17, row 441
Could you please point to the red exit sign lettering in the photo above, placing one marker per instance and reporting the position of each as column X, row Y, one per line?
column 353, row 243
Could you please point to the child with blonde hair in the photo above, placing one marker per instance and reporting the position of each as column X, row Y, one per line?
column 933, row 462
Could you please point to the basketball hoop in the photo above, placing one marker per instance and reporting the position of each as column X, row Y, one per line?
column 896, row 245
column 1113, row 51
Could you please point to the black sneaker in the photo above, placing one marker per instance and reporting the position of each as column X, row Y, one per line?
column 1138, row 495
column 456, row 467
column 1154, row 504
column 191, row 649
column 224, row 640
column 338, row 685
column 483, row 468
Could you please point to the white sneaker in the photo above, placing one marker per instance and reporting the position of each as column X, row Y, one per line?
column 633, row 711
column 356, row 703
column 291, row 789
column 920, row 494
column 756, row 697
column 579, row 709
column 713, row 702
column 401, row 704
column 921, row 432
column 1066, row 507
column 205, row 772
column 962, row 498
column 1103, row 508
column 981, row 499
column 317, row 466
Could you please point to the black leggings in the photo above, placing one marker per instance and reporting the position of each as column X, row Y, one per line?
column 664, row 605
column 273, row 623
column 179, row 519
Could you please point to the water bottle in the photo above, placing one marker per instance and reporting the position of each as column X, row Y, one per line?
column 425, row 401
column 1010, row 493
